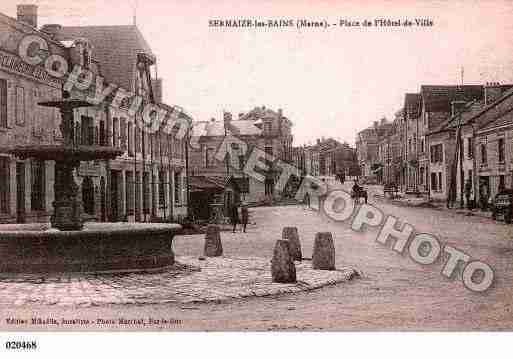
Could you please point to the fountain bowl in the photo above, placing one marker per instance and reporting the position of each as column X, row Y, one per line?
column 99, row 247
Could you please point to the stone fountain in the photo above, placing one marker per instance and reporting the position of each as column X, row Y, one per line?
column 67, row 244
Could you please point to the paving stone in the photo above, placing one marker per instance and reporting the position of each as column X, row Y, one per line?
column 216, row 279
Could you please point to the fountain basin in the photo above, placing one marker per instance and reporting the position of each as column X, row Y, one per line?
column 99, row 247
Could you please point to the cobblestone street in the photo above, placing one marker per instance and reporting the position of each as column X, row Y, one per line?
column 393, row 292
column 191, row 281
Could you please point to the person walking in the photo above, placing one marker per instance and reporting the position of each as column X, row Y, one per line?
column 234, row 216
column 244, row 217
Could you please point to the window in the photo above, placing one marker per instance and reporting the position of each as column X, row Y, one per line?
column 434, row 186
column 146, row 192
column 268, row 127
column 421, row 179
column 156, row 141
column 115, row 133
column 130, row 198
column 422, row 149
column 4, row 185
column 38, row 185
column 154, row 198
column 409, row 145
column 137, row 140
column 502, row 183
column 470, row 177
column 470, row 147
column 103, row 136
column 484, row 156
column 122, row 130
column 20, row 106
column 88, row 195
column 176, row 182
column 437, row 153
column 440, row 185
column 162, row 197
column 3, row 103
column 500, row 145
column 208, row 157
column 269, row 150
column 87, row 136
column 130, row 136
column 242, row 162
column 137, row 192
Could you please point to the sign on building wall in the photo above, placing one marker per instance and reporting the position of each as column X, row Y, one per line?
column 15, row 64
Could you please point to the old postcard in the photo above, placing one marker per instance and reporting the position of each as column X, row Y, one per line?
column 255, row 166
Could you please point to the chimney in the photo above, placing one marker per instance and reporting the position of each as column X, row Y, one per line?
column 318, row 141
column 383, row 120
column 51, row 29
column 376, row 123
column 280, row 112
column 227, row 117
column 27, row 14
column 492, row 92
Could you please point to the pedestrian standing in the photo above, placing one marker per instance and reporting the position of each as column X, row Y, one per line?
column 234, row 216
column 244, row 217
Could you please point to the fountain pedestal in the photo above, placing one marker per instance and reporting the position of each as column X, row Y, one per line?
column 67, row 214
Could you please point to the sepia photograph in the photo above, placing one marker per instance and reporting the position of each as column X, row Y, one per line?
column 236, row 166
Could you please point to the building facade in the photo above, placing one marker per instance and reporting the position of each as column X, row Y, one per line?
column 147, row 181
column 368, row 149
column 262, row 128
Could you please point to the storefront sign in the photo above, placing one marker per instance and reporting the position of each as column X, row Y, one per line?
column 15, row 64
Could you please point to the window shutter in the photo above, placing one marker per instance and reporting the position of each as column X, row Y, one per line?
column 3, row 103
column 11, row 104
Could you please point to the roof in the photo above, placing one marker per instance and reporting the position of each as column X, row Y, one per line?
column 412, row 104
column 114, row 47
column 216, row 128
column 477, row 111
column 438, row 98
column 489, row 119
column 258, row 113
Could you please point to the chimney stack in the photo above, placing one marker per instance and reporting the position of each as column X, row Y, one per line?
column 27, row 14
column 280, row 112
column 376, row 123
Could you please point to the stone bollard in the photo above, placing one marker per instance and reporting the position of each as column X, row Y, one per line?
column 283, row 269
column 213, row 245
column 324, row 252
column 291, row 234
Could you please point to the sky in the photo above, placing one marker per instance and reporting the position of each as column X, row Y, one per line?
column 329, row 82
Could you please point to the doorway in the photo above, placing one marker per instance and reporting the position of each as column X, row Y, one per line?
column 114, row 195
